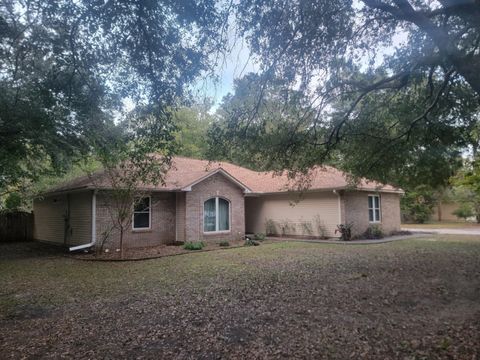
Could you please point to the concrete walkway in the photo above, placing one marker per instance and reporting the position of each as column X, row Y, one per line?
column 446, row 231
column 354, row 242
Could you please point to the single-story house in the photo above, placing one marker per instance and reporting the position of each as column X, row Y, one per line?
column 202, row 200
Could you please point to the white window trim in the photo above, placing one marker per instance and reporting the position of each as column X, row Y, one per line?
column 216, row 216
column 142, row 212
column 379, row 220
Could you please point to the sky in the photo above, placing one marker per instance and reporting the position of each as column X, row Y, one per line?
column 235, row 64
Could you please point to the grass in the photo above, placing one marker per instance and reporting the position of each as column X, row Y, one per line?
column 394, row 300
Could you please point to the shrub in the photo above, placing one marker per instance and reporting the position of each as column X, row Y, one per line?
column 270, row 227
column 464, row 211
column 250, row 242
column 417, row 204
column 259, row 236
column 373, row 232
column 321, row 229
column 307, row 228
column 197, row 245
column 224, row 243
column 345, row 231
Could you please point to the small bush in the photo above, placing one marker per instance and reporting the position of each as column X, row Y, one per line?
column 197, row 245
column 373, row 232
column 307, row 228
column 250, row 242
column 464, row 212
column 259, row 236
column 270, row 227
column 345, row 231
column 224, row 243
column 321, row 228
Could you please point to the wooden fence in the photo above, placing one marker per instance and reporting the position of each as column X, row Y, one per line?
column 16, row 226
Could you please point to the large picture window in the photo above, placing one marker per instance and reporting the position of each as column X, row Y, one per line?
column 141, row 214
column 374, row 208
column 216, row 215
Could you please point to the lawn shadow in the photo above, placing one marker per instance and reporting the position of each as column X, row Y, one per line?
column 29, row 249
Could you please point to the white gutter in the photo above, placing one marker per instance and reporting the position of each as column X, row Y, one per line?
column 94, row 227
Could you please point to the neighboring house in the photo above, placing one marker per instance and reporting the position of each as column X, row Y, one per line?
column 219, row 201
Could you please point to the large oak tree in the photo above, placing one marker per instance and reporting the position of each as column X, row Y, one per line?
column 370, row 101
column 66, row 66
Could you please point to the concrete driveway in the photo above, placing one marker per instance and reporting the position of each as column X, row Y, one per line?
column 449, row 231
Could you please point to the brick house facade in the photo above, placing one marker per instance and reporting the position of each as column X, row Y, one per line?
column 202, row 201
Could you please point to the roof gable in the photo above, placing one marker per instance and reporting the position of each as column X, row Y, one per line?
column 245, row 188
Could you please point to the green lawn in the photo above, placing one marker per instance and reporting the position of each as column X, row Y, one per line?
column 410, row 299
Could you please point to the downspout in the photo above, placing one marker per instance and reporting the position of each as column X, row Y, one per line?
column 94, row 227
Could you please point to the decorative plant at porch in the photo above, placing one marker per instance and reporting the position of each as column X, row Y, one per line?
column 345, row 231
column 307, row 228
column 287, row 227
column 320, row 227
column 194, row 245
column 270, row 227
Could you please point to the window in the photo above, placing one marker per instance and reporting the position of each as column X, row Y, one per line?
column 141, row 214
column 216, row 215
column 373, row 208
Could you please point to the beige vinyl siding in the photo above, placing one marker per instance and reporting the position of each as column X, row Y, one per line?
column 301, row 218
column 49, row 218
column 50, row 213
column 80, row 218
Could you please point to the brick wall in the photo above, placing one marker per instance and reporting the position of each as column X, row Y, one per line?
column 162, row 229
column 216, row 185
column 180, row 216
column 355, row 210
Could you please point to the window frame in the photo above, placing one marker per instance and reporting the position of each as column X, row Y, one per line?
column 216, row 231
column 143, row 212
column 373, row 208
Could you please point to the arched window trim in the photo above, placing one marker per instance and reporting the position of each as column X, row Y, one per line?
column 216, row 231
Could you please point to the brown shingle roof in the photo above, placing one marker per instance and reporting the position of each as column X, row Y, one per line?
column 186, row 171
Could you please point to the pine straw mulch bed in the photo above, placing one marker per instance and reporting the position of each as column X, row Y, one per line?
column 153, row 252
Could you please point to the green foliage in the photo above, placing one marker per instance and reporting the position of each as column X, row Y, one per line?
column 191, row 134
column 464, row 211
column 467, row 187
column 373, row 232
column 417, row 204
column 194, row 245
column 13, row 202
column 345, row 231
column 259, row 236
column 67, row 67
column 403, row 117
column 250, row 242
column 224, row 243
